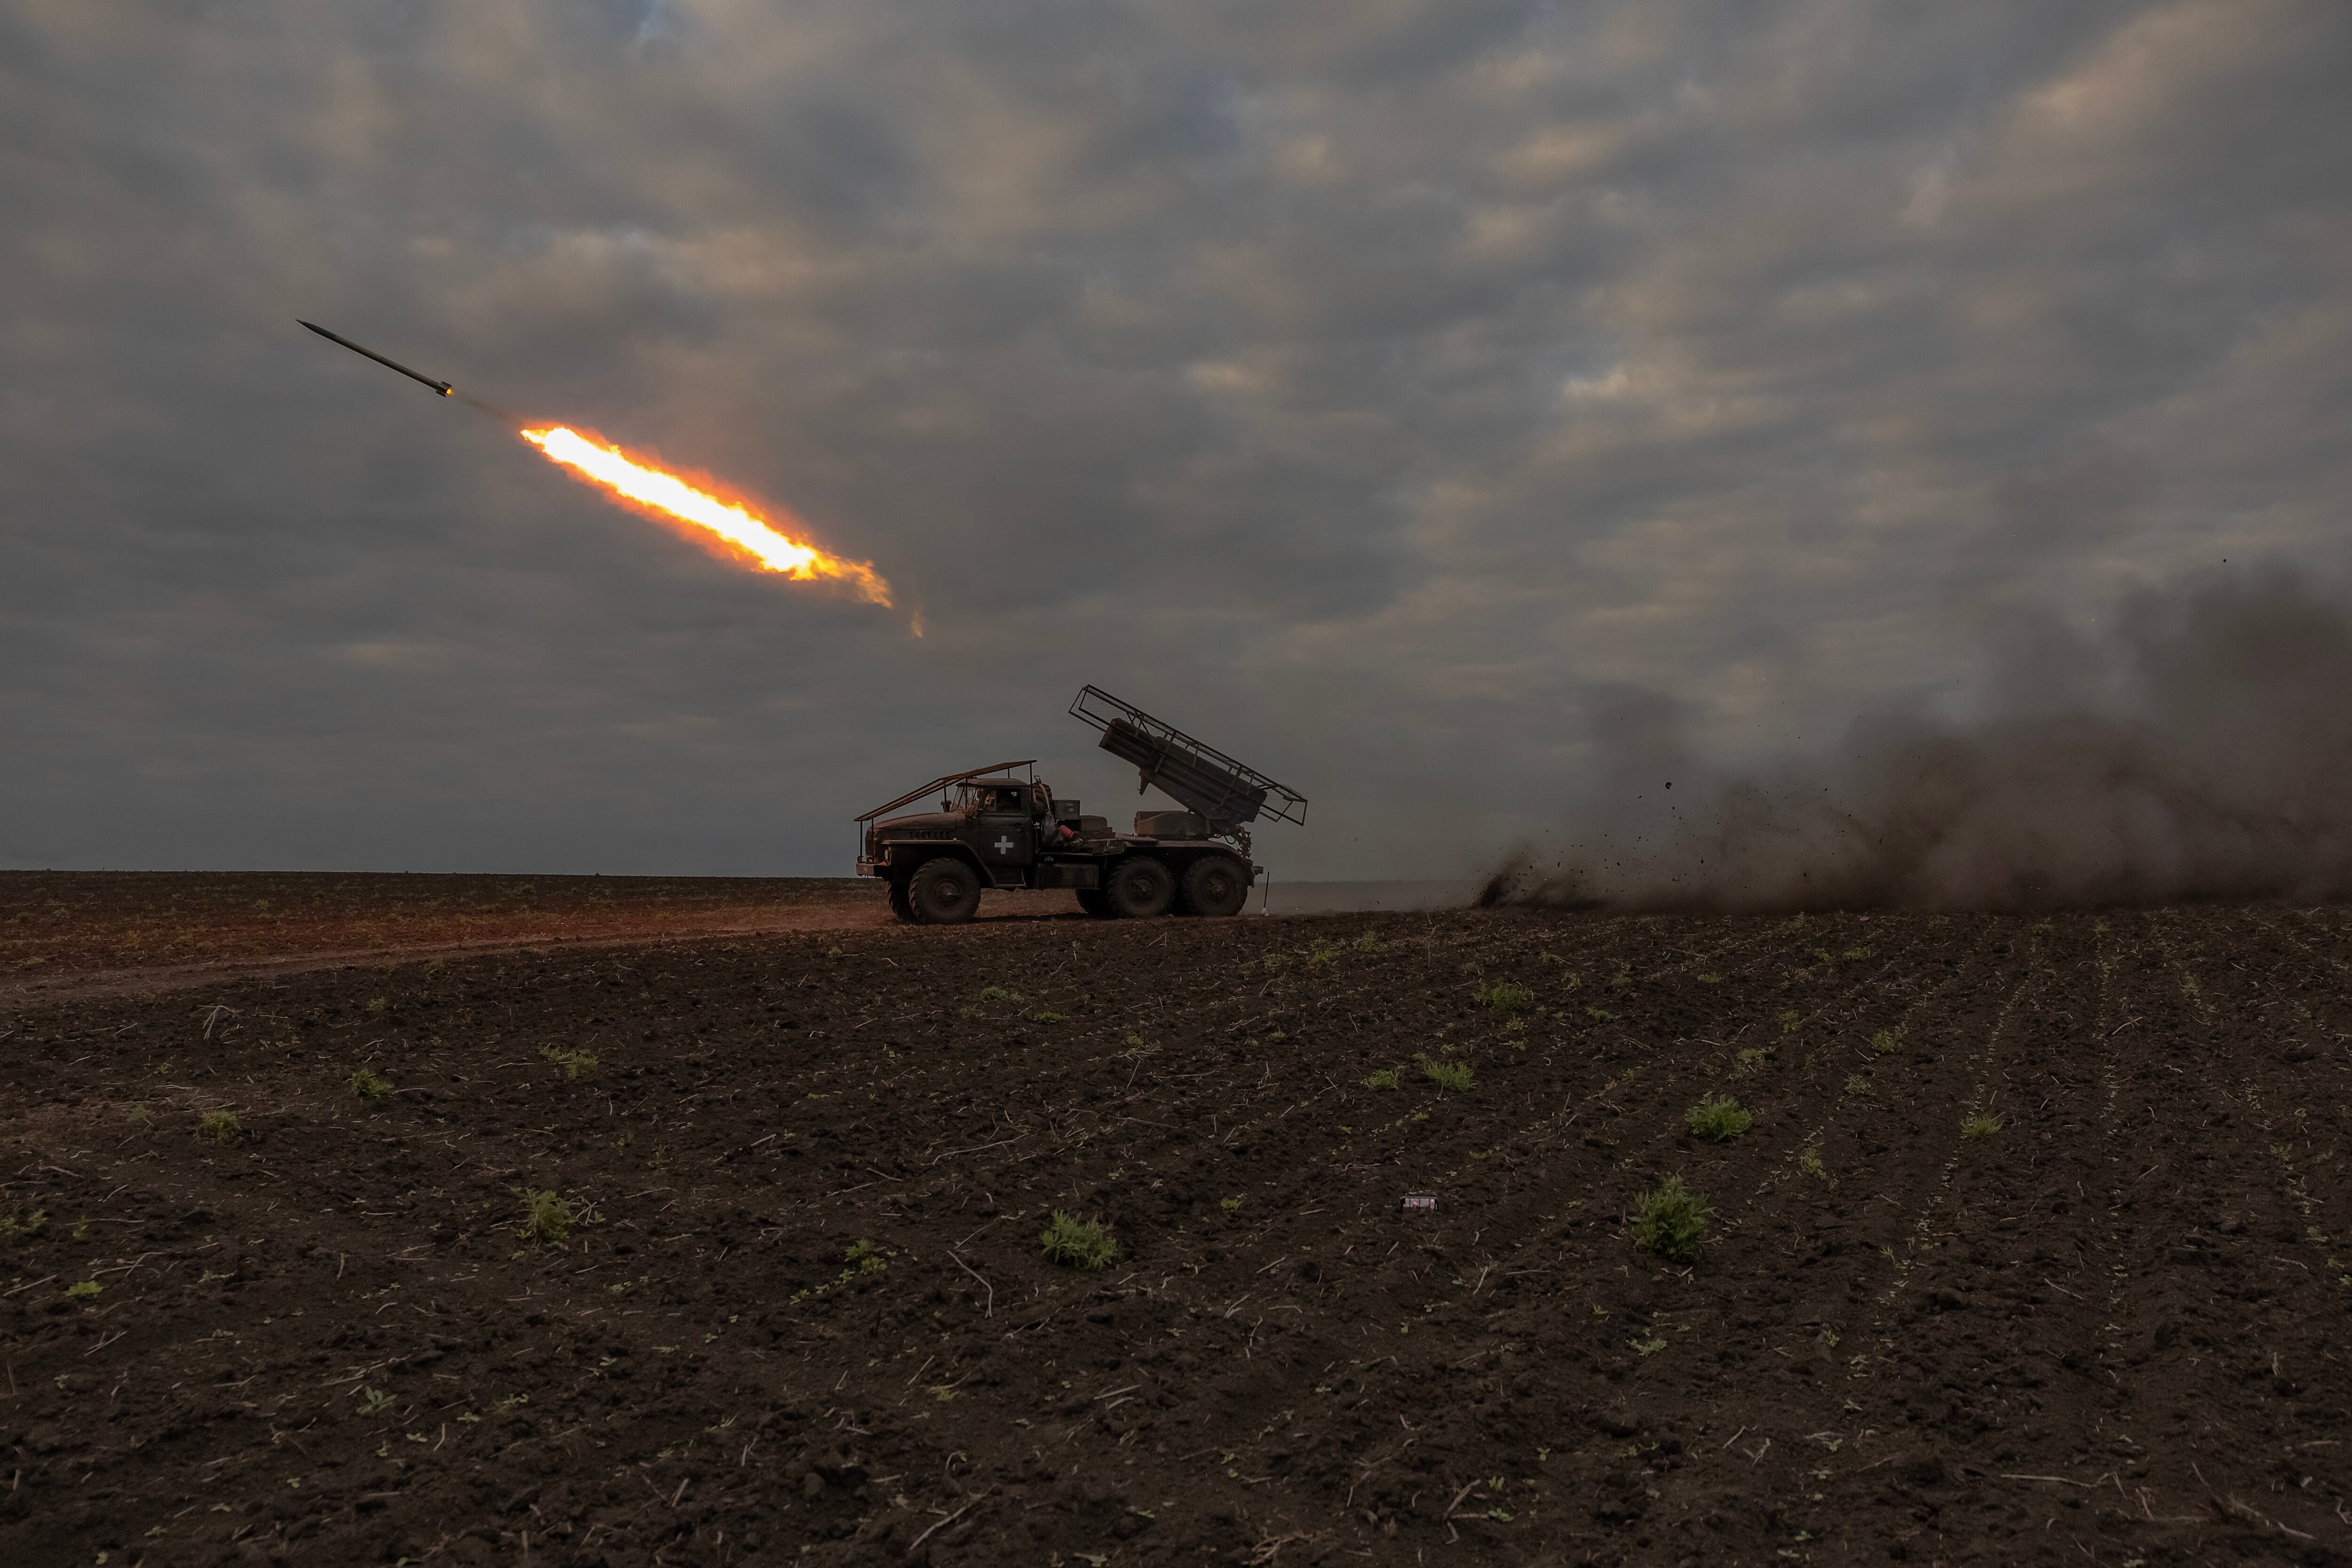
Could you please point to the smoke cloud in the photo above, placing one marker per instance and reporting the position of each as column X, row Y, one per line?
column 2195, row 747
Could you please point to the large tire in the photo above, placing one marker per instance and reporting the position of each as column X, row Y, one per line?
column 1215, row 885
column 1095, row 902
column 899, row 904
column 1141, row 888
column 943, row 891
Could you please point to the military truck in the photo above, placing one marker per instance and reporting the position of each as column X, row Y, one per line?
column 994, row 829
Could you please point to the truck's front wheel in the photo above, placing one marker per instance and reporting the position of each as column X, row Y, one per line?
column 943, row 892
column 1141, row 888
column 899, row 904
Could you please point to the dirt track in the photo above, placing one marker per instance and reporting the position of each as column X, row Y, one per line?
column 83, row 922
column 2111, row 1330
column 69, row 935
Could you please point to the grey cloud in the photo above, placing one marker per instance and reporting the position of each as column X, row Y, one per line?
column 1378, row 388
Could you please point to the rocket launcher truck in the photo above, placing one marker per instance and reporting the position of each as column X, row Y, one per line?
column 995, row 830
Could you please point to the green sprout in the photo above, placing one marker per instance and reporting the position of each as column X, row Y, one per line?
column 548, row 1218
column 1078, row 1243
column 1669, row 1220
column 1445, row 1074
column 1719, row 1118
column 1507, row 998
column 575, row 1064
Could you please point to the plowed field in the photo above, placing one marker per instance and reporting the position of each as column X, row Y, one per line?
column 803, row 1313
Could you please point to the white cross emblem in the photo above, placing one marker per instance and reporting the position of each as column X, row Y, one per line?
column 1004, row 844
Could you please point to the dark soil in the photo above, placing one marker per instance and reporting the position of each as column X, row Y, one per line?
column 805, row 1317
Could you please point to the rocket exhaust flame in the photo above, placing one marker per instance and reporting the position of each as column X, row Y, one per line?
column 728, row 529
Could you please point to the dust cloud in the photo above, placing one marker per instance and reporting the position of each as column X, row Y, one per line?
column 2197, row 747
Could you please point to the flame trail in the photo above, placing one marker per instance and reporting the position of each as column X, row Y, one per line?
column 743, row 534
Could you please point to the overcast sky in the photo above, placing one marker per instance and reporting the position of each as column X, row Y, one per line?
column 1374, row 387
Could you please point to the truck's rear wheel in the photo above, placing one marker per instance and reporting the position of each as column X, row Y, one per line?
column 1141, row 888
column 1095, row 902
column 943, row 892
column 899, row 904
column 1215, row 885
